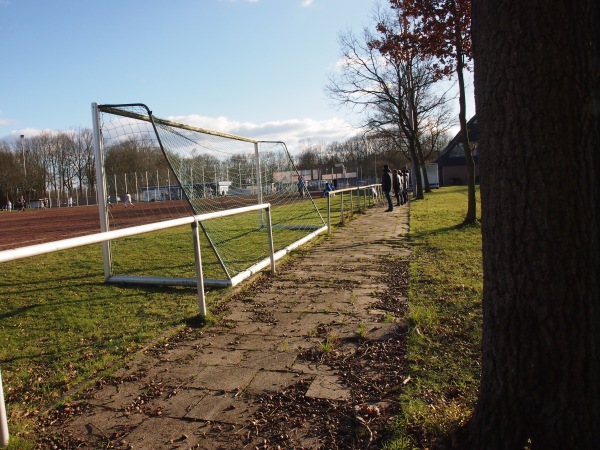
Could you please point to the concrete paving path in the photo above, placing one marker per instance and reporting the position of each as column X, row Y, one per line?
column 177, row 396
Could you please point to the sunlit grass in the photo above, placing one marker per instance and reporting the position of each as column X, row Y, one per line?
column 60, row 324
column 445, row 316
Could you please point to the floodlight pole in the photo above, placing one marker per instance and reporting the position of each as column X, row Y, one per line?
column 23, row 153
column 26, row 197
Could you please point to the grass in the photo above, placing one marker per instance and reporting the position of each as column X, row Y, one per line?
column 445, row 316
column 328, row 344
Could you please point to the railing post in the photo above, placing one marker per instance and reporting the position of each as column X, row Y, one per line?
column 364, row 196
column 271, row 244
column 342, row 206
column 328, row 213
column 361, row 190
column 3, row 419
column 199, row 274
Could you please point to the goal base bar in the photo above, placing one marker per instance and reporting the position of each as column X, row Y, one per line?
column 164, row 281
column 193, row 282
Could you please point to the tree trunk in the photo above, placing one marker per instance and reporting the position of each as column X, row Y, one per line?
column 537, row 112
column 471, row 215
column 426, row 186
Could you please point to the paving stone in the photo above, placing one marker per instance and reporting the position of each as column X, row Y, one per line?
column 177, row 402
column 239, row 315
column 222, row 408
column 212, row 356
column 175, row 374
column 98, row 423
column 226, row 378
column 118, row 396
column 267, row 343
column 166, row 433
column 328, row 387
column 256, row 328
column 269, row 360
column 267, row 380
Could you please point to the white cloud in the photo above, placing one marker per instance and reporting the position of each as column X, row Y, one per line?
column 293, row 132
column 306, row 3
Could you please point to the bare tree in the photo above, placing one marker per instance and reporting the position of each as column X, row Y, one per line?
column 394, row 91
column 10, row 168
column 84, row 158
column 441, row 31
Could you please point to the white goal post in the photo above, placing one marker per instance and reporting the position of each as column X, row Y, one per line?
column 195, row 172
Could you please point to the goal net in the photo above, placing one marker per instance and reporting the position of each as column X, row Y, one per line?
column 155, row 170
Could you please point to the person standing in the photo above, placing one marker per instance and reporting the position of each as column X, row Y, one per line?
column 128, row 200
column 396, row 186
column 386, row 186
column 8, row 205
column 301, row 186
column 405, row 181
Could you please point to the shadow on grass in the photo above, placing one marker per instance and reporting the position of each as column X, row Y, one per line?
column 439, row 231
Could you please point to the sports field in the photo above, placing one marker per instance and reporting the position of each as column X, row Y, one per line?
column 35, row 226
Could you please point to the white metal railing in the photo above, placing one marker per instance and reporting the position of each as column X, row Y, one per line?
column 370, row 193
column 65, row 244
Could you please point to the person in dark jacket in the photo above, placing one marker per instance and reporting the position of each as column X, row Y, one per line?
column 386, row 186
column 397, row 186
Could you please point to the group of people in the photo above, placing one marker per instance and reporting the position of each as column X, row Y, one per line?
column 18, row 206
column 126, row 202
column 395, row 181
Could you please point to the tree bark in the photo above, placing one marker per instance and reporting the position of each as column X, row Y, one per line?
column 538, row 112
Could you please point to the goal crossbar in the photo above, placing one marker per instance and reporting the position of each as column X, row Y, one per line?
column 116, row 109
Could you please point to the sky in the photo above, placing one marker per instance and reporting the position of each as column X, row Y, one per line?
column 253, row 68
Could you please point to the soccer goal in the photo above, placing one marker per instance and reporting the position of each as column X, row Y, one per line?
column 151, row 170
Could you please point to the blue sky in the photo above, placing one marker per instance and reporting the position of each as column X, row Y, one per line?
column 255, row 68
